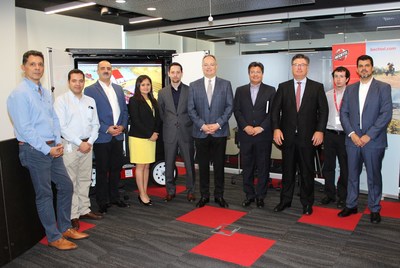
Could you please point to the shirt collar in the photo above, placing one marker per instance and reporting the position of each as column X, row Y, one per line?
column 33, row 85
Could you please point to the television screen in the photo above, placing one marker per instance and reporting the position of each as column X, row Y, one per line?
column 125, row 74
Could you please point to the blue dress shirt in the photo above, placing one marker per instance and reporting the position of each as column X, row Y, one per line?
column 33, row 116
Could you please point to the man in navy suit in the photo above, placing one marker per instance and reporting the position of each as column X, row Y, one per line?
column 252, row 112
column 365, row 114
column 210, row 105
column 299, row 116
column 113, row 116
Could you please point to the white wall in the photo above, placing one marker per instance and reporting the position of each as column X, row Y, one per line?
column 9, row 66
column 28, row 29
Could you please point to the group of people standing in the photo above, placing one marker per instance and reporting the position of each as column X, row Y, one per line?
column 56, row 142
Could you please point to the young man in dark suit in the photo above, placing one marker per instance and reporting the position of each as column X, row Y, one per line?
column 299, row 116
column 113, row 117
column 365, row 114
column 252, row 105
column 177, row 131
column 210, row 107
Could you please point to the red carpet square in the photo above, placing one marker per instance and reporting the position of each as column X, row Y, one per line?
column 328, row 217
column 239, row 248
column 160, row 191
column 212, row 216
column 181, row 170
column 389, row 209
column 83, row 227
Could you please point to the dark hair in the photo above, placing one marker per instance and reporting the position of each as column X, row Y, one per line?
column 175, row 64
column 256, row 64
column 31, row 53
column 301, row 56
column 75, row 71
column 365, row 57
column 342, row 69
column 138, row 96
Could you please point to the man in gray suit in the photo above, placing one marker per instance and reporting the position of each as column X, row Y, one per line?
column 210, row 107
column 177, row 131
column 365, row 114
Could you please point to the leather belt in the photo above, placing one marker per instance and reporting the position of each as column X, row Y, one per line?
column 47, row 142
column 337, row 132
column 85, row 140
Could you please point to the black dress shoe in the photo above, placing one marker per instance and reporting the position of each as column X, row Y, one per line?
column 143, row 203
column 375, row 217
column 341, row 204
column 202, row 202
column 281, row 206
column 326, row 200
column 307, row 210
column 169, row 197
column 119, row 203
column 221, row 202
column 260, row 202
column 103, row 209
column 247, row 202
column 92, row 216
column 347, row 212
column 75, row 224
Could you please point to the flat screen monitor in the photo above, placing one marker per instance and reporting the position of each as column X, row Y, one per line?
column 124, row 73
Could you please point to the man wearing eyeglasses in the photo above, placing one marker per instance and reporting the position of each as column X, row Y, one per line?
column 252, row 106
column 299, row 117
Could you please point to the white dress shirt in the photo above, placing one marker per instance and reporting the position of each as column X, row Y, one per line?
column 362, row 95
column 112, row 98
column 212, row 83
column 334, row 109
column 303, row 87
column 78, row 118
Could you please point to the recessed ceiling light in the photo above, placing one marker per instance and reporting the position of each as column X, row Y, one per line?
column 151, row 9
column 120, row 1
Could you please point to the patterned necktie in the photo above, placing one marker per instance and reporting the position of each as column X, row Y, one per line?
column 209, row 92
column 298, row 93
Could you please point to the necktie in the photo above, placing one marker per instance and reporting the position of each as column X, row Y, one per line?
column 298, row 94
column 209, row 92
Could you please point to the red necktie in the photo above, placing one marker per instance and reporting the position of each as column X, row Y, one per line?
column 298, row 94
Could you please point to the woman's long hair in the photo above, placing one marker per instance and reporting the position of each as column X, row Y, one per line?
column 138, row 95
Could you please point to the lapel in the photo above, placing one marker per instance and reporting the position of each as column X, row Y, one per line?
column 103, row 93
column 370, row 95
column 260, row 94
column 182, row 99
column 169, row 97
column 292, row 95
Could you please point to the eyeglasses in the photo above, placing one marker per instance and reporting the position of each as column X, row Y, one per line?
column 255, row 72
column 301, row 65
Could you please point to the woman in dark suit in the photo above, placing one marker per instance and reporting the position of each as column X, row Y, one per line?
column 143, row 133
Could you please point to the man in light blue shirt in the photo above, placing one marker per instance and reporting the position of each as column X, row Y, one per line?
column 38, row 133
column 79, row 130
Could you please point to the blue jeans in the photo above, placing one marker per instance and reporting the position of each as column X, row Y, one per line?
column 45, row 169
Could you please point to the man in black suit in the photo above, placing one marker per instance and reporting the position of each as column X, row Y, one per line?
column 251, row 109
column 299, row 117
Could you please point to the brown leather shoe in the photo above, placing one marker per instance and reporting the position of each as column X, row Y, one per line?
column 191, row 197
column 63, row 244
column 75, row 224
column 169, row 197
column 92, row 216
column 74, row 234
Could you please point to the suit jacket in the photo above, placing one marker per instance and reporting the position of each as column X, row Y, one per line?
column 312, row 115
column 104, row 110
column 143, row 122
column 219, row 111
column 254, row 115
column 376, row 115
column 176, row 121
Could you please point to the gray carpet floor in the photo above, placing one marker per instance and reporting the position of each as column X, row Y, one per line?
column 141, row 236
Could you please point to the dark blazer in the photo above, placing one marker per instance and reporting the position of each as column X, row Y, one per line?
column 376, row 116
column 312, row 115
column 176, row 121
column 104, row 110
column 219, row 111
column 143, row 122
column 254, row 115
